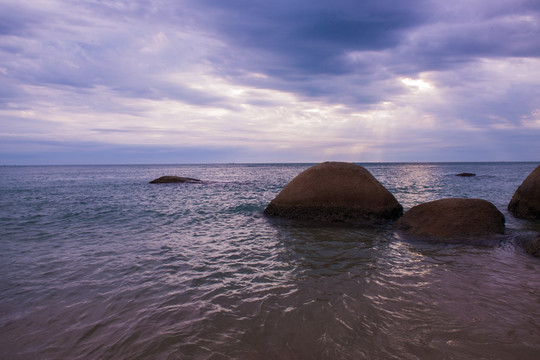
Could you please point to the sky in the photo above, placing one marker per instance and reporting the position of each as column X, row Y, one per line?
column 217, row 81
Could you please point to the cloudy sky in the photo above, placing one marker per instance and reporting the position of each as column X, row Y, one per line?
column 196, row 81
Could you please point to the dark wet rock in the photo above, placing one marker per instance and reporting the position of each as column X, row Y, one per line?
column 525, row 203
column 466, row 174
column 336, row 192
column 460, row 219
column 529, row 242
column 533, row 246
column 174, row 179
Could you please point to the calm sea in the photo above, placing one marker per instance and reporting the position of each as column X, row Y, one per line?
column 95, row 263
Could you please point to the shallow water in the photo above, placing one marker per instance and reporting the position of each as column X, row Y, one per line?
column 95, row 263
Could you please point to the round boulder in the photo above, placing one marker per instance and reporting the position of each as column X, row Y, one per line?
column 335, row 192
column 167, row 179
column 525, row 203
column 452, row 218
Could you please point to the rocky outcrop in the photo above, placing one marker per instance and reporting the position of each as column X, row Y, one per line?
column 525, row 203
column 335, row 192
column 174, row 179
column 452, row 218
column 466, row 174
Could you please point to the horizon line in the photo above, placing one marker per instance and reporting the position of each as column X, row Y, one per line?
column 277, row 163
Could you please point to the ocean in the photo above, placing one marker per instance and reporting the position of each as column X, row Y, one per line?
column 96, row 263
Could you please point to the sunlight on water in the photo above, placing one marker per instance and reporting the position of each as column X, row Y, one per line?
column 98, row 264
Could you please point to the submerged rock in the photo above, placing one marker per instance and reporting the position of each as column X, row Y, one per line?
column 466, row 174
column 335, row 192
column 525, row 203
column 452, row 218
column 174, row 179
column 533, row 246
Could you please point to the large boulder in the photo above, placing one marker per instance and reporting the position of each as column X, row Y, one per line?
column 525, row 203
column 452, row 218
column 336, row 192
column 168, row 179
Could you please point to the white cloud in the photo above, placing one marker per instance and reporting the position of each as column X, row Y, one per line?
column 532, row 120
column 417, row 84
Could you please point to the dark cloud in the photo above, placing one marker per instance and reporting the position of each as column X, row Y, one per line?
column 18, row 20
column 445, row 45
column 349, row 51
column 312, row 37
column 303, row 37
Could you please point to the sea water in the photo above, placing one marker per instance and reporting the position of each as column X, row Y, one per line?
column 96, row 263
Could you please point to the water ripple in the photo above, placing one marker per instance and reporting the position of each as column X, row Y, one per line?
column 96, row 263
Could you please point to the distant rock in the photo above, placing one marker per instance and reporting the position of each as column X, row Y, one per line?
column 525, row 203
column 466, row 174
column 336, row 192
column 461, row 219
column 175, row 179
